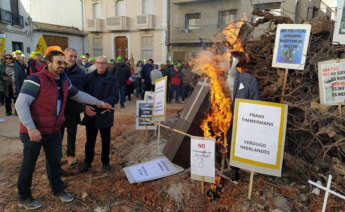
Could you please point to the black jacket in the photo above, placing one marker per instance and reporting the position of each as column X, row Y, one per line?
column 122, row 72
column 73, row 108
column 103, row 87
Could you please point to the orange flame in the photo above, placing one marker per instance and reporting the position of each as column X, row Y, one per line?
column 214, row 66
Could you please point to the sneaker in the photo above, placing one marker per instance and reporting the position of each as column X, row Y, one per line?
column 84, row 167
column 29, row 204
column 65, row 197
column 106, row 167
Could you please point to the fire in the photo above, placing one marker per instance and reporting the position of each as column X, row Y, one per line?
column 215, row 66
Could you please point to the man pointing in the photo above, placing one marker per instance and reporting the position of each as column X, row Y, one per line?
column 41, row 110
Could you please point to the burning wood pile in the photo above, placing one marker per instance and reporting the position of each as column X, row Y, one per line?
column 315, row 140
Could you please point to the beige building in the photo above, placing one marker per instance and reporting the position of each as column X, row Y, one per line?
column 127, row 27
column 191, row 20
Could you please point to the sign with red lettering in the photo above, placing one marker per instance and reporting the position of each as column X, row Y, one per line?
column 202, row 159
column 332, row 82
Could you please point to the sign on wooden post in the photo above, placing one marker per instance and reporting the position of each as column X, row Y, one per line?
column 291, row 46
column 339, row 28
column 332, row 82
column 262, row 149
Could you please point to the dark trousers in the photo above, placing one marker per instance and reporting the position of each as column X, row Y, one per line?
column 187, row 89
column 52, row 148
column 2, row 98
column 138, row 89
column 177, row 90
column 91, row 135
column 122, row 91
column 71, row 126
column 8, row 100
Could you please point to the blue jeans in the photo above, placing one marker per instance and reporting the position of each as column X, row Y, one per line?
column 177, row 90
column 53, row 151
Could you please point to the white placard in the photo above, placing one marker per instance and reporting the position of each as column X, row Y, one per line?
column 258, row 136
column 339, row 28
column 144, row 110
column 159, row 102
column 202, row 158
column 332, row 82
column 291, row 44
column 150, row 170
column 148, row 96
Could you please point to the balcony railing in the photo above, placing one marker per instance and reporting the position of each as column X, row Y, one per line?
column 193, row 34
column 95, row 25
column 145, row 22
column 11, row 18
column 116, row 23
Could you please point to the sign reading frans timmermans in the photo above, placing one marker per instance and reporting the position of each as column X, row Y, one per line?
column 258, row 136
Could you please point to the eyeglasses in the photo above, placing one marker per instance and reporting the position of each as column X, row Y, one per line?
column 8, row 58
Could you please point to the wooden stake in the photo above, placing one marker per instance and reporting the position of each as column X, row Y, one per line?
column 159, row 136
column 146, row 137
column 250, row 185
column 202, row 184
column 339, row 109
column 222, row 164
column 284, row 85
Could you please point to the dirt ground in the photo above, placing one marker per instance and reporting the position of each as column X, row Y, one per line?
column 101, row 191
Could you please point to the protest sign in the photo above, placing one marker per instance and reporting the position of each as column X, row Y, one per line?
column 151, row 170
column 332, row 82
column 291, row 46
column 144, row 110
column 262, row 149
column 148, row 96
column 2, row 42
column 159, row 102
column 339, row 28
column 202, row 159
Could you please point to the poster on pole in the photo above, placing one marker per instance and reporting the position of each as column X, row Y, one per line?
column 339, row 27
column 151, row 170
column 2, row 43
column 144, row 110
column 159, row 100
column 262, row 149
column 332, row 82
column 202, row 159
column 291, row 44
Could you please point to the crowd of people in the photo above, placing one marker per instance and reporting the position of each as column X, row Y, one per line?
column 51, row 91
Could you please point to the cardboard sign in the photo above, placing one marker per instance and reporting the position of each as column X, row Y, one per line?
column 2, row 42
column 159, row 102
column 332, row 82
column 151, row 170
column 202, row 159
column 339, row 28
column 144, row 110
column 258, row 136
column 291, row 44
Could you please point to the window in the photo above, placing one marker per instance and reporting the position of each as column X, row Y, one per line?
column 17, row 46
column 315, row 12
column 225, row 17
column 120, row 8
column 146, row 47
column 97, row 47
column 192, row 21
column 97, row 10
column 147, row 7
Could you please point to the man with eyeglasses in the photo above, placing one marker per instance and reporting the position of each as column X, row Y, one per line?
column 41, row 109
column 11, row 78
column 102, row 84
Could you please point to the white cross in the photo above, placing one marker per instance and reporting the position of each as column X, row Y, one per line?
column 328, row 190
